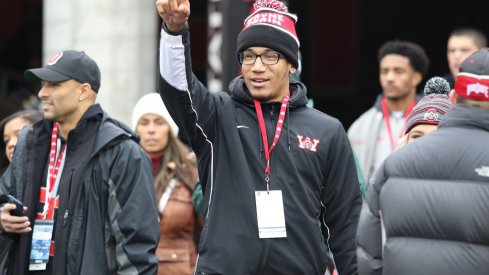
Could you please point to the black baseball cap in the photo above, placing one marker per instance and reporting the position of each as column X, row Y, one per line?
column 66, row 65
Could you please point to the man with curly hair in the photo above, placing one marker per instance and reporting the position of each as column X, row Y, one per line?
column 374, row 134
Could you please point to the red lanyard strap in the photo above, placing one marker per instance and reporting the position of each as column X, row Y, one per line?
column 53, row 172
column 387, row 120
column 263, row 130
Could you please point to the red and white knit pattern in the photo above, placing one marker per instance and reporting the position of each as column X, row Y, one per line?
column 273, row 4
column 275, row 14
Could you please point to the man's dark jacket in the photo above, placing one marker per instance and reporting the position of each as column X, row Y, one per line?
column 107, row 221
column 312, row 164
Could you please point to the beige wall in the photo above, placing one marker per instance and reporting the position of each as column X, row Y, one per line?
column 121, row 36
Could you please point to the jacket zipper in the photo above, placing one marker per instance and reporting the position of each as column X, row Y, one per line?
column 67, row 211
column 264, row 259
column 272, row 107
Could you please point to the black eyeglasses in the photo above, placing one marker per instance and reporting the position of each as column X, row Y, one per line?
column 267, row 58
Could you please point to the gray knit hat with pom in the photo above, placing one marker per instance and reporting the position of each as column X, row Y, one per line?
column 433, row 106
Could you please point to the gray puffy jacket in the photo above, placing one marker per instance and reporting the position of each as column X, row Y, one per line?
column 427, row 205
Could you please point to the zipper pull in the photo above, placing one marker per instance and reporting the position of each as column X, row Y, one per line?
column 65, row 217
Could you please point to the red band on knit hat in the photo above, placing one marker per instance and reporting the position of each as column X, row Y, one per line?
column 472, row 86
column 280, row 20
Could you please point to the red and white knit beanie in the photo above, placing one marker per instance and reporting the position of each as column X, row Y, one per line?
column 271, row 25
column 433, row 106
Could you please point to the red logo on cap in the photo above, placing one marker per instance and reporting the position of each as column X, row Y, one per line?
column 431, row 115
column 55, row 58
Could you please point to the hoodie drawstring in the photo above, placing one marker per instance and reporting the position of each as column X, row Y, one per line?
column 288, row 124
column 260, row 142
column 288, row 133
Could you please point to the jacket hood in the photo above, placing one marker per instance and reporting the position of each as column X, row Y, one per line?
column 115, row 129
column 110, row 131
column 298, row 92
column 95, row 112
column 462, row 115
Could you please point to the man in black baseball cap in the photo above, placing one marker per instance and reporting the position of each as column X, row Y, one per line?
column 76, row 65
column 428, row 201
column 81, row 174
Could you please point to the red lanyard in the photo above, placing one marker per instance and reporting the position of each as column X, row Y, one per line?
column 53, row 173
column 263, row 130
column 387, row 120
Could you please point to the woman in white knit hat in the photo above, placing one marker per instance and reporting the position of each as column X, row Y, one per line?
column 175, row 176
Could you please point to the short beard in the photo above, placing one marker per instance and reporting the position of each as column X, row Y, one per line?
column 262, row 98
column 398, row 98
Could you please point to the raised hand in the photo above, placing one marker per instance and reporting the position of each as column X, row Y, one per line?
column 174, row 13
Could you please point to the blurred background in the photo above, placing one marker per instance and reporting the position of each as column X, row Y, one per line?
column 339, row 43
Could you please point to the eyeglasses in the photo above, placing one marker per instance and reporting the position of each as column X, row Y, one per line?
column 267, row 58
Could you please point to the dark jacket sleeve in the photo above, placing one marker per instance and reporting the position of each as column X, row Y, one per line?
column 191, row 105
column 369, row 235
column 5, row 182
column 193, row 108
column 342, row 201
column 9, row 186
column 15, row 171
column 132, row 212
column 5, row 189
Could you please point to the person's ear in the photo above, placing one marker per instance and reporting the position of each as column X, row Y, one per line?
column 292, row 70
column 85, row 91
column 417, row 78
column 453, row 97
